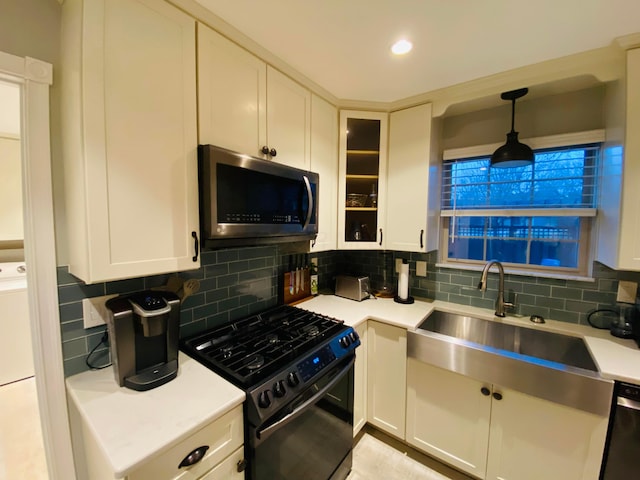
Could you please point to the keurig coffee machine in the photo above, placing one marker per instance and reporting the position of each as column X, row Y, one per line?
column 143, row 336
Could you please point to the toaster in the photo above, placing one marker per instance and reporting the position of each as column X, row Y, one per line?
column 354, row 288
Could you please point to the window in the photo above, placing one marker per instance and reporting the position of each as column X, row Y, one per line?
column 535, row 217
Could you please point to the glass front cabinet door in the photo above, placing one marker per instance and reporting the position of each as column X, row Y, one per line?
column 363, row 163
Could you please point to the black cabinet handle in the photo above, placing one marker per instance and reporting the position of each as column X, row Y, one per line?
column 241, row 466
column 497, row 396
column 380, row 237
column 265, row 150
column 273, row 152
column 196, row 246
column 194, row 457
column 421, row 235
column 485, row 391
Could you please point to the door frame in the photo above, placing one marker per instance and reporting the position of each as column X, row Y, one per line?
column 35, row 78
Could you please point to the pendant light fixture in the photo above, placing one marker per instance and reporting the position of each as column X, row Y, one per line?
column 513, row 153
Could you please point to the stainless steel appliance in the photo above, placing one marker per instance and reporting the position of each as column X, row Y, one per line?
column 297, row 370
column 143, row 336
column 622, row 452
column 354, row 288
column 246, row 200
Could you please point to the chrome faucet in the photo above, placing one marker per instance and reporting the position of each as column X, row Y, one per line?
column 501, row 305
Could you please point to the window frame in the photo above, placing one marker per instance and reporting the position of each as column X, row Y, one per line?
column 586, row 215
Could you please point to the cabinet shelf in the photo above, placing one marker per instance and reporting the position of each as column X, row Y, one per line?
column 361, row 177
column 363, row 152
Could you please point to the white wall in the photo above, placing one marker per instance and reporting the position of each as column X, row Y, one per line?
column 571, row 112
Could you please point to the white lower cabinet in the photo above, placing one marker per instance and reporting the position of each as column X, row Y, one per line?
column 386, row 377
column 227, row 469
column 496, row 433
column 360, row 381
column 220, row 441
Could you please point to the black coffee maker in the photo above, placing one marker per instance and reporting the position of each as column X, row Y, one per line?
column 143, row 335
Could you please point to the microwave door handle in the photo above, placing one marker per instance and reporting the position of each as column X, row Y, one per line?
column 310, row 203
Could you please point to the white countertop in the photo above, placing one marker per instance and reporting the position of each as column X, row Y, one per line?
column 616, row 358
column 130, row 427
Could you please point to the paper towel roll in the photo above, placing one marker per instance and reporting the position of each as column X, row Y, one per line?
column 403, row 281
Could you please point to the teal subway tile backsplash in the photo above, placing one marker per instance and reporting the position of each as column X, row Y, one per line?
column 241, row 281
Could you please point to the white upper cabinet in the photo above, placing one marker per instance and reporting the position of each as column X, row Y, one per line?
column 129, row 138
column 288, row 120
column 232, row 95
column 247, row 106
column 412, row 182
column 324, row 161
column 362, row 180
column 619, row 203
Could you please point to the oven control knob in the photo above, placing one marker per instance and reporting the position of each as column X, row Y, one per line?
column 264, row 399
column 292, row 379
column 278, row 389
column 345, row 342
column 353, row 336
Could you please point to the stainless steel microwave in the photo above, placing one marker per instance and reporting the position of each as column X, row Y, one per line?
column 246, row 200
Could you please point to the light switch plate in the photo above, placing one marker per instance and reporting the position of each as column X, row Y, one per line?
column 627, row 291
column 94, row 313
column 398, row 263
column 421, row 269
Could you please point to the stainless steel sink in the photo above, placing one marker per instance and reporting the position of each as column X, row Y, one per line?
column 548, row 365
column 554, row 347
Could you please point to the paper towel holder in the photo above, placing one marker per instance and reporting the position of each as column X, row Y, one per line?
column 406, row 301
column 398, row 298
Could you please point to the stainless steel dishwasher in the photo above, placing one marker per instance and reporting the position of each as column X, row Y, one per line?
column 622, row 453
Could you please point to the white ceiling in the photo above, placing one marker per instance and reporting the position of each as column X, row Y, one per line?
column 343, row 45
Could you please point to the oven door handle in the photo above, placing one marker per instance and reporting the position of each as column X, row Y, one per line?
column 265, row 432
column 310, row 205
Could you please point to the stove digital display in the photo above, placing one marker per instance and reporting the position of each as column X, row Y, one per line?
column 313, row 364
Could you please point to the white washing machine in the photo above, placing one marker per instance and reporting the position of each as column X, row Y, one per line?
column 16, row 354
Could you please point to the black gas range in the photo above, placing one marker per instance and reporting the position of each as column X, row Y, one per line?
column 296, row 368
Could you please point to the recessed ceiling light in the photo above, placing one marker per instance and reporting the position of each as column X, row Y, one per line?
column 401, row 47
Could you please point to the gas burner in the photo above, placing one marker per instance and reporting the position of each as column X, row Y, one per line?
column 253, row 362
column 311, row 330
column 272, row 338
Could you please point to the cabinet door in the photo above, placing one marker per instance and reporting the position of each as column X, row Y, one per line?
column 411, row 182
column 133, row 196
column 288, row 120
column 386, row 377
column 448, row 416
column 324, row 161
column 629, row 221
column 227, row 469
column 362, row 180
column 360, row 381
column 531, row 438
column 232, row 92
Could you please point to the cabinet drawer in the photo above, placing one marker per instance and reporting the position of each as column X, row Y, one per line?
column 227, row 470
column 223, row 436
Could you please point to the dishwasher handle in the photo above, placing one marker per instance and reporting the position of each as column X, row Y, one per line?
column 628, row 403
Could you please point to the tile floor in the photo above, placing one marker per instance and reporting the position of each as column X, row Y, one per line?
column 20, row 432
column 377, row 456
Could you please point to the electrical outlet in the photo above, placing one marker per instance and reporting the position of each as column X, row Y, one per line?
column 94, row 313
column 398, row 263
column 627, row 292
column 421, row 269
column 314, row 261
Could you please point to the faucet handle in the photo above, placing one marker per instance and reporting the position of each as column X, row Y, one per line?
column 513, row 305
